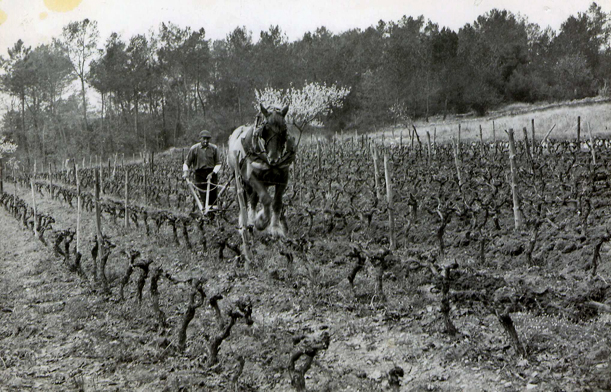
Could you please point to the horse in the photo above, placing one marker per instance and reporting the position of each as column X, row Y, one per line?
column 261, row 154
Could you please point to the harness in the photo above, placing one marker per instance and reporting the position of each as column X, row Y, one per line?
column 255, row 147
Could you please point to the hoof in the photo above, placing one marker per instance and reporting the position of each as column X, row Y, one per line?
column 278, row 227
column 261, row 225
column 277, row 231
column 251, row 217
column 261, row 222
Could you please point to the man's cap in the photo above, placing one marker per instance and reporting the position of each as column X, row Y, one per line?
column 205, row 133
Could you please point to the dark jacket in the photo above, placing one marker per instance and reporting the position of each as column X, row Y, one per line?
column 200, row 158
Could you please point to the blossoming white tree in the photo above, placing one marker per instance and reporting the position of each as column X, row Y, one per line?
column 308, row 105
column 6, row 146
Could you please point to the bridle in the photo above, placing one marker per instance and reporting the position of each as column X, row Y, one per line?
column 260, row 145
column 264, row 143
column 272, row 137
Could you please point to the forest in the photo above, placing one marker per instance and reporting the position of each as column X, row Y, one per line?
column 159, row 89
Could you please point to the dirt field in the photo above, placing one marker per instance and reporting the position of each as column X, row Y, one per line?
column 60, row 332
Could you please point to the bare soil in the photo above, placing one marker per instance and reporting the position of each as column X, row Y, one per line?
column 59, row 331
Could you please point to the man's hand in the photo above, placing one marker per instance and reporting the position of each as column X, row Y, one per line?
column 185, row 174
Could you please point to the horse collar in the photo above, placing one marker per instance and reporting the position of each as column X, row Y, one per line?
column 259, row 144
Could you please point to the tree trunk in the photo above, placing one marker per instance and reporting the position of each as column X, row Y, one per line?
column 136, row 118
column 201, row 101
column 84, row 102
column 239, row 109
column 428, row 94
column 23, row 130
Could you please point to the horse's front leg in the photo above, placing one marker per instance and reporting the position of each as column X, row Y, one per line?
column 263, row 217
column 252, row 199
column 278, row 226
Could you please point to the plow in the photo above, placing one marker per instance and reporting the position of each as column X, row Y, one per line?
column 205, row 207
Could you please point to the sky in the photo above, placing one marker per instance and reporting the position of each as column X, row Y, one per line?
column 37, row 21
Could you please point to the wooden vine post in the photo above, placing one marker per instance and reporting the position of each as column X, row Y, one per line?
column 50, row 177
column 457, row 162
column 126, row 198
column 578, row 133
column 528, row 151
column 592, row 150
column 481, row 140
column 517, row 211
column 494, row 138
column 376, row 177
column 34, row 208
column 98, row 223
column 114, row 167
column 101, row 177
column 459, row 141
column 389, row 197
column 428, row 145
column 527, row 143
column 318, row 155
column 78, row 211
column 435, row 139
column 146, row 195
column 548, row 133
column 532, row 139
column 417, row 139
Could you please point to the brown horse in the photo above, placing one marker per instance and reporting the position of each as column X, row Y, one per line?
column 260, row 155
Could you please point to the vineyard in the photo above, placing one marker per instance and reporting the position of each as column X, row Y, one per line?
column 410, row 265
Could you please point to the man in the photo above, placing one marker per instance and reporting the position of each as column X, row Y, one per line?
column 203, row 161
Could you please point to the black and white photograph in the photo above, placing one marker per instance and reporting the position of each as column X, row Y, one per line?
column 305, row 195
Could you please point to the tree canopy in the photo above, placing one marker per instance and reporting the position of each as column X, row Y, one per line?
column 159, row 89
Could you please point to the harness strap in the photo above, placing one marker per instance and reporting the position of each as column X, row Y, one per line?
column 254, row 147
column 253, row 144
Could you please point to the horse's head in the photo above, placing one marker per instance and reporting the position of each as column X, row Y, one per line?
column 274, row 133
